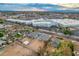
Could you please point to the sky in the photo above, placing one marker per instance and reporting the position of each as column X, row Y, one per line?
column 39, row 1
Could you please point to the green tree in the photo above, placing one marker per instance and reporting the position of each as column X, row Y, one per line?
column 18, row 35
column 66, row 31
column 1, row 34
column 1, row 21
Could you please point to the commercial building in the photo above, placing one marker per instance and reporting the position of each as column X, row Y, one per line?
column 48, row 22
column 67, row 22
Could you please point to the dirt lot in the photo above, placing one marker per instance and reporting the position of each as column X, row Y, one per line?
column 36, row 45
column 17, row 50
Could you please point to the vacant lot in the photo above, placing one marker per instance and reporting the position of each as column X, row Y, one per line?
column 36, row 45
column 17, row 50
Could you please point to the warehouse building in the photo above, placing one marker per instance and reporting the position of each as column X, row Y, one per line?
column 66, row 22
column 48, row 22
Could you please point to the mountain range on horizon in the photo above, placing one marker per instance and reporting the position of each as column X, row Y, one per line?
column 36, row 7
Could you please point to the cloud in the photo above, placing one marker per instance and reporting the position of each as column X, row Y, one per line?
column 39, row 1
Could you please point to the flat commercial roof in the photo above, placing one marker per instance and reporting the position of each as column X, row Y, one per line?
column 20, row 21
column 67, row 22
column 49, row 22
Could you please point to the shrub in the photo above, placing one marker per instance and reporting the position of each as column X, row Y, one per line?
column 18, row 35
column 2, row 30
column 1, row 21
column 67, row 32
column 1, row 34
column 29, row 30
column 65, row 49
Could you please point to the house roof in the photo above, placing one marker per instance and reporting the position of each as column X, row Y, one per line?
column 1, row 42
